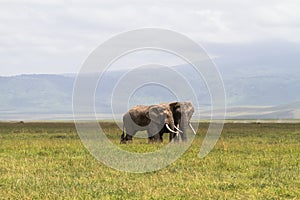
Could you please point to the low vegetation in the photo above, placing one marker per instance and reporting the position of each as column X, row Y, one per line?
column 250, row 161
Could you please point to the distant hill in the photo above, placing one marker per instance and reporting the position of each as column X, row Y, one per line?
column 36, row 94
column 256, row 93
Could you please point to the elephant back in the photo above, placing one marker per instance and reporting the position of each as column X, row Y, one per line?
column 138, row 115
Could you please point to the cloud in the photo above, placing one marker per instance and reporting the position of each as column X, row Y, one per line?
column 63, row 33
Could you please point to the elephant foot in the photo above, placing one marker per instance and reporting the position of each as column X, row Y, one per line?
column 175, row 139
column 153, row 140
column 184, row 139
column 150, row 142
column 124, row 141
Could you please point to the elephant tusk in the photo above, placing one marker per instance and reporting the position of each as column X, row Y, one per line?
column 178, row 129
column 170, row 129
column 192, row 128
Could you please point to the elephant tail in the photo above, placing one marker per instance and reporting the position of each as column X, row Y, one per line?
column 123, row 135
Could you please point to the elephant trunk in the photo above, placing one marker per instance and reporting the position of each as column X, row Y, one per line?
column 186, row 124
column 171, row 125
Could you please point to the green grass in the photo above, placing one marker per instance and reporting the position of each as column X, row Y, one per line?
column 250, row 161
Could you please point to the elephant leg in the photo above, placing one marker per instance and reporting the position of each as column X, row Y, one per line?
column 176, row 138
column 154, row 138
column 128, row 138
column 161, row 140
column 150, row 139
column 172, row 136
column 130, row 135
column 123, row 140
column 158, row 137
column 183, row 137
column 161, row 134
column 154, row 135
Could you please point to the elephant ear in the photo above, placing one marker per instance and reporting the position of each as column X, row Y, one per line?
column 174, row 106
column 156, row 114
column 189, row 108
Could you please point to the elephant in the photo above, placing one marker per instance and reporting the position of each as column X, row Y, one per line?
column 151, row 118
column 182, row 118
column 182, row 114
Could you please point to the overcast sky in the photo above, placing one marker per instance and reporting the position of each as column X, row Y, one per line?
column 55, row 36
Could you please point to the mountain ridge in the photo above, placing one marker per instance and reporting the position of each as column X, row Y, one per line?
column 249, row 95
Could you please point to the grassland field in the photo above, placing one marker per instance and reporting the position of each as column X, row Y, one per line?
column 43, row 160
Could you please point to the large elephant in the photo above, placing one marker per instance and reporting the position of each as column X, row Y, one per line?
column 151, row 118
column 182, row 114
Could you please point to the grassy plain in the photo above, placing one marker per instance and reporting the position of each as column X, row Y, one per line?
column 250, row 161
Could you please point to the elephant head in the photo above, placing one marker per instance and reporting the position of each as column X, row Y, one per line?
column 182, row 114
column 151, row 118
column 161, row 117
